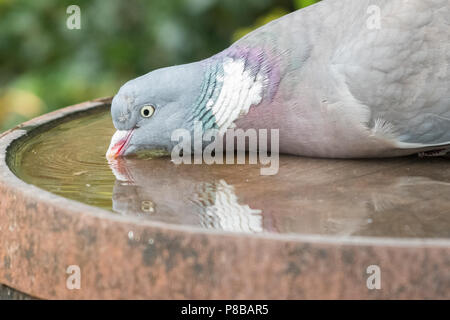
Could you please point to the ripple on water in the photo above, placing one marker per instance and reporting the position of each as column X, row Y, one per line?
column 69, row 160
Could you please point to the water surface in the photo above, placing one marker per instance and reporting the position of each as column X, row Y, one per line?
column 404, row 197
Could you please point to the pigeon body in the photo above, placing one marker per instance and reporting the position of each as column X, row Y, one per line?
column 342, row 78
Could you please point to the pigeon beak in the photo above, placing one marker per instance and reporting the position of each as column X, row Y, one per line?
column 119, row 144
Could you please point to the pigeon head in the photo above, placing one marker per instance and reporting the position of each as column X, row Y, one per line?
column 214, row 92
column 146, row 110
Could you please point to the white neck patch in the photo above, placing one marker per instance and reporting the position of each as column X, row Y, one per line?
column 241, row 89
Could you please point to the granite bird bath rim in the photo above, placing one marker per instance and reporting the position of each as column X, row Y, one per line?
column 50, row 205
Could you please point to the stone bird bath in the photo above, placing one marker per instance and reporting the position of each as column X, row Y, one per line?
column 148, row 229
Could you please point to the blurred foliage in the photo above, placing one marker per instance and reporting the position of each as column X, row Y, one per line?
column 44, row 65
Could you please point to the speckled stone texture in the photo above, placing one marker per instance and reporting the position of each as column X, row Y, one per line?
column 6, row 293
column 121, row 257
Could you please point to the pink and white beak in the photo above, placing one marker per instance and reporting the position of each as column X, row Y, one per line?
column 119, row 144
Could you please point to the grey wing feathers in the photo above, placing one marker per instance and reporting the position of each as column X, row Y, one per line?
column 401, row 71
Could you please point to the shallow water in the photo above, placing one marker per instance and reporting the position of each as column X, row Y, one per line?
column 405, row 197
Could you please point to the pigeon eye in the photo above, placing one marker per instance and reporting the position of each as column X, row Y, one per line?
column 147, row 111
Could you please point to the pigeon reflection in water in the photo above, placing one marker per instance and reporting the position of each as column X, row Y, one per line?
column 392, row 198
column 181, row 199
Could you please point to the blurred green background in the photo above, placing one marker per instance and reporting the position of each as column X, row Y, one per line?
column 45, row 66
